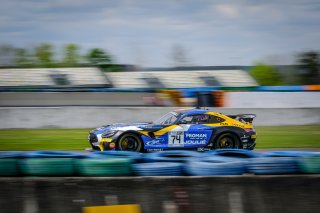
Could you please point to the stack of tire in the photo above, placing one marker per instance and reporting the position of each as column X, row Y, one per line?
column 49, row 163
column 108, row 164
column 9, row 163
column 221, row 162
column 168, row 163
column 277, row 162
column 310, row 164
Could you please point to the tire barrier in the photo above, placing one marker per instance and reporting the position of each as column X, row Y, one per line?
column 9, row 163
column 158, row 169
column 171, row 156
column 310, row 164
column 288, row 154
column 214, row 167
column 49, row 163
column 104, row 167
column 53, row 154
column 47, row 167
column 165, row 163
column 134, row 156
column 234, row 153
column 273, row 165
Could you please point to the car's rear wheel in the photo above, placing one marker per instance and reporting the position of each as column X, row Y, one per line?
column 130, row 142
column 227, row 140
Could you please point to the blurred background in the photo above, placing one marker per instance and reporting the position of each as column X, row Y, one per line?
column 69, row 66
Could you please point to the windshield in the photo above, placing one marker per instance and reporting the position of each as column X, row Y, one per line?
column 167, row 119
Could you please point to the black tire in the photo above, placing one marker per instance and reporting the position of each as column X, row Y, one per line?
column 130, row 142
column 227, row 141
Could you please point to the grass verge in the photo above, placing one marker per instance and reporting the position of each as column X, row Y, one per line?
column 76, row 139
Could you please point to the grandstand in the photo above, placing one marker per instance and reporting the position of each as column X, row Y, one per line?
column 53, row 77
column 181, row 79
column 93, row 77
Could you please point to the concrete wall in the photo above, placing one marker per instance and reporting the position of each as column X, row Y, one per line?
column 238, row 194
column 87, row 117
column 272, row 99
column 232, row 99
column 72, row 99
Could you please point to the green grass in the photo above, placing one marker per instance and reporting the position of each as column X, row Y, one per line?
column 44, row 139
column 288, row 137
column 76, row 139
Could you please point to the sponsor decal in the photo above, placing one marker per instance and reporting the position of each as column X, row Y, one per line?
column 154, row 150
column 202, row 149
column 154, row 142
column 196, row 138
column 195, row 142
column 191, row 136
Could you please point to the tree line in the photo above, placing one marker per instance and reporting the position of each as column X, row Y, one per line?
column 306, row 71
column 44, row 56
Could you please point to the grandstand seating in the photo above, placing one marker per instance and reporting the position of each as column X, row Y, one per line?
column 182, row 79
column 44, row 77
column 93, row 77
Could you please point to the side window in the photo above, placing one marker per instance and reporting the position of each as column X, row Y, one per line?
column 195, row 119
column 215, row 119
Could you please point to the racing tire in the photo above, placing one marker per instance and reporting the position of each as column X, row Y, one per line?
column 227, row 141
column 130, row 142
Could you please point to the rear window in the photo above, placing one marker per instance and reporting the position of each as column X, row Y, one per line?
column 215, row 119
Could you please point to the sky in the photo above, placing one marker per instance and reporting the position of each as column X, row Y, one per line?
column 146, row 32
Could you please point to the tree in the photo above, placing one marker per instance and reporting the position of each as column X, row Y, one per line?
column 70, row 55
column 44, row 54
column 98, row 56
column 179, row 56
column 23, row 58
column 309, row 63
column 7, row 55
column 266, row 75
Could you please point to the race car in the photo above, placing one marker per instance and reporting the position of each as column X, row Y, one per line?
column 195, row 129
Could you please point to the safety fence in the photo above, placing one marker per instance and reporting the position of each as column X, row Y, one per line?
column 166, row 163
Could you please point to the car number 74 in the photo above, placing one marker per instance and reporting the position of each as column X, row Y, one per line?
column 176, row 139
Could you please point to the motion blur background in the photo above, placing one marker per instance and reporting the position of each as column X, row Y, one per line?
column 68, row 66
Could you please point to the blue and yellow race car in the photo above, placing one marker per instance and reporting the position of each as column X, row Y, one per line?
column 196, row 129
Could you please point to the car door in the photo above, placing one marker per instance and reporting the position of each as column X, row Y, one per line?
column 190, row 132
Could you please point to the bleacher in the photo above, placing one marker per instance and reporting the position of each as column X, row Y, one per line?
column 182, row 79
column 93, row 77
column 52, row 77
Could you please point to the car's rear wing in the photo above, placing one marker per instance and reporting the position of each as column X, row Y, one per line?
column 244, row 118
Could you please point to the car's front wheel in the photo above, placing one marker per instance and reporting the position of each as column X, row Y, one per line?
column 227, row 140
column 130, row 142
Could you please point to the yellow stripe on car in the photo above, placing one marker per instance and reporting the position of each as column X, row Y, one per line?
column 106, row 140
column 164, row 130
column 228, row 121
column 144, row 133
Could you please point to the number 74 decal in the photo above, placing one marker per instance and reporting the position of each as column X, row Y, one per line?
column 176, row 139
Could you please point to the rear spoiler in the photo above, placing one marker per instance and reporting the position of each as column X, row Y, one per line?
column 244, row 118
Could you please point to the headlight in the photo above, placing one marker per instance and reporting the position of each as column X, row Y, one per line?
column 109, row 134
